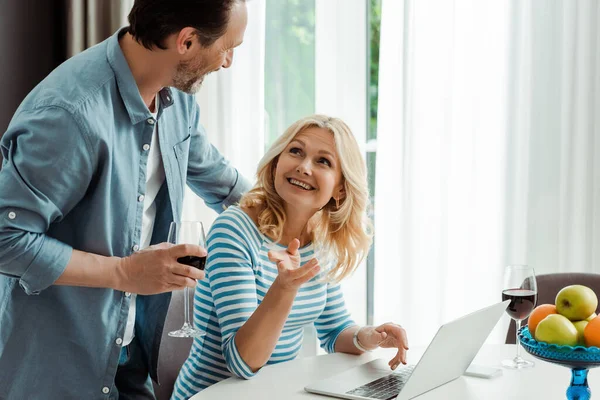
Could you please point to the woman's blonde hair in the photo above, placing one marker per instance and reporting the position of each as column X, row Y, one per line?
column 344, row 231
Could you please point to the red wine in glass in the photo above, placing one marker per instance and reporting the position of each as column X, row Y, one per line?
column 520, row 290
column 193, row 261
column 522, row 302
column 188, row 232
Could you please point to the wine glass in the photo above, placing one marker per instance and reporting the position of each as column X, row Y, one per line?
column 188, row 232
column 520, row 287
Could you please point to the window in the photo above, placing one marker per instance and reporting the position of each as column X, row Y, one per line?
column 320, row 56
column 374, row 16
column 289, row 64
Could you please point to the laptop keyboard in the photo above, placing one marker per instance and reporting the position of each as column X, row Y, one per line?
column 385, row 388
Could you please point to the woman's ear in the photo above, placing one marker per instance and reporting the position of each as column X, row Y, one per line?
column 274, row 167
column 340, row 193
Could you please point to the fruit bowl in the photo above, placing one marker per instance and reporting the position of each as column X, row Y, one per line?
column 580, row 359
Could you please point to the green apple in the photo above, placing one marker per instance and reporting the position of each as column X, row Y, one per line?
column 580, row 326
column 576, row 302
column 556, row 329
column 591, row 317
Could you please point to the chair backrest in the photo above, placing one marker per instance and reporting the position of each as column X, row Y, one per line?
column 173, row 351
column 548, row 287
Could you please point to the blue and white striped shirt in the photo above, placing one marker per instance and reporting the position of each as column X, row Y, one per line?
column 238, row 276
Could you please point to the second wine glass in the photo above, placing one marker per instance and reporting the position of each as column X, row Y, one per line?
column 520, row 287
column 188, row 232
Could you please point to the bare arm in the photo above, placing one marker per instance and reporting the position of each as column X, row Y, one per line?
column 257, row 338
column 150, row 271
column 344, row 343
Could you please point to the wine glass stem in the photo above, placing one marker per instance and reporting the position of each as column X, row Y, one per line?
column 186, row 307
column 518, row 327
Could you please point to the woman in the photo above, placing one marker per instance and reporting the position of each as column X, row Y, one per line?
column 275, row 262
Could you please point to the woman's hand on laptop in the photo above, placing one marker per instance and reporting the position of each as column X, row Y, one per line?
column 388, row 335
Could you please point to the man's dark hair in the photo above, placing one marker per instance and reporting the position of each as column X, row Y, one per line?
column 152, row 21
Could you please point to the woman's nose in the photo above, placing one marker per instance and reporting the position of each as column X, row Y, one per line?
column 303, row 168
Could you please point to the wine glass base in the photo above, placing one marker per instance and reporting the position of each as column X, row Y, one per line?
column 517, row 363
column 186, row 332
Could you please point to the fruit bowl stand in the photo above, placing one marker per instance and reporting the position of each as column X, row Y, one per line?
column 580, row 359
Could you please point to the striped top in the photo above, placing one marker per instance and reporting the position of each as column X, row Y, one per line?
column 238, row 276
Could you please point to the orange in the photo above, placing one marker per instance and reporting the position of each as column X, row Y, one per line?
column 591, row 333
column 538, row 314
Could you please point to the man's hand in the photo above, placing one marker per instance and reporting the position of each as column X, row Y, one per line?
column 156, row 270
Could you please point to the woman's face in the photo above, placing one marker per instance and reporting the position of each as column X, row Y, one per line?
column 308, row 173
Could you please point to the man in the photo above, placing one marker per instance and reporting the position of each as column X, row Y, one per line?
column 95, row 163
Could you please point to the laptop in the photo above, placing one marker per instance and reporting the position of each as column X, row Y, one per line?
column 446, row 358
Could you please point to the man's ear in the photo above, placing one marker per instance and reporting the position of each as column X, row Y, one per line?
column 186, row 39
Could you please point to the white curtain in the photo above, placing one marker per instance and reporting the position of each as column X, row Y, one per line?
column 91, row 21
column 341, row 91
column 554, row 136
column 232, row 109
column 487, row 152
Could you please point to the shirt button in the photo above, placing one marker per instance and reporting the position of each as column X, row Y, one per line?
column 119, row 341
column 127, row 294
column 105, row 390
column 12, row 215
column 141, row 198
column 146, row 147
column 135, row 247
column 150, row 121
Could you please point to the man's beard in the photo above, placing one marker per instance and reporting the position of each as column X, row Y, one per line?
column 187, row 79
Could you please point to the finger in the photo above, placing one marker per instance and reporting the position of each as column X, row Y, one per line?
column 181, row 282
column 400, row 358
column 274, row 256
column 312, row 272
column 382, row 337
column 181, row 250
column 403, row 339
column 303, row 270
column 293, row 246
column 186, row 271
column 160, row 246
column 297, row 272
column 395, row 330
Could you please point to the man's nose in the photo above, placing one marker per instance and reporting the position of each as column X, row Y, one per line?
column 228, row 59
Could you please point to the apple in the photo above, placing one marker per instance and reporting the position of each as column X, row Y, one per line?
column 576, row 302
column 556, row 329
column 538, row 314
column 591, row 317
column 580, row 326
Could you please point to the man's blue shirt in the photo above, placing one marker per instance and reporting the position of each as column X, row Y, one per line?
column 73, row 171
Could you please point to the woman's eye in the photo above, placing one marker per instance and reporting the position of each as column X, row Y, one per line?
column 295, row 150
column 325, row 162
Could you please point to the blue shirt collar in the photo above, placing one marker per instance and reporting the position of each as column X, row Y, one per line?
column 128, row 89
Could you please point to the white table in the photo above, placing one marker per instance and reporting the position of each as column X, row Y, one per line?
column 287, row 380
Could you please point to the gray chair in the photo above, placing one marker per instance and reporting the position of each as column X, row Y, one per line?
column 173, row 351
column 548, row 287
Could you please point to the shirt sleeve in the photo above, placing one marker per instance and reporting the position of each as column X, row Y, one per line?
column 334, row 319
column 46, row 170
column 209, row 174
column 233, row 287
